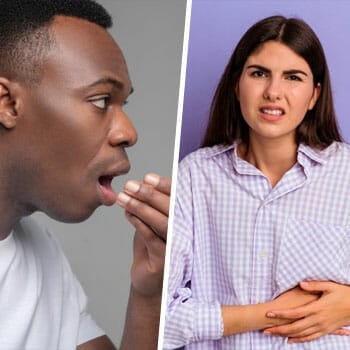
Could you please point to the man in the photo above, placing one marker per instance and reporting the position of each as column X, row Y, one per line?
column 63, row 134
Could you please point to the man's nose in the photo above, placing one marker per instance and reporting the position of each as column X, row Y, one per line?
column 123, row 132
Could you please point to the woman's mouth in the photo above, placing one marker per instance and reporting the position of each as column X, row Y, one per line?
column 271, row 114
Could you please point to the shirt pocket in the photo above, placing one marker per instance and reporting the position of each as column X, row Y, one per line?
column 312, row 251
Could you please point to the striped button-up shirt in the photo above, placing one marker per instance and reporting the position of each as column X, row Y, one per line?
column 236, row 241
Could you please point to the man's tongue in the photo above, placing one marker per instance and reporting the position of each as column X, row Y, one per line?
column 107, row 190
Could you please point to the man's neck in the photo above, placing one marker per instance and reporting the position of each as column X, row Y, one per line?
column 11, row 210
column 8, row 220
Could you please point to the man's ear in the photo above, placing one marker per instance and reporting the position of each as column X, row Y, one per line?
column 8, row 113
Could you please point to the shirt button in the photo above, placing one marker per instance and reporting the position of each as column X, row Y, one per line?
column 262, row 255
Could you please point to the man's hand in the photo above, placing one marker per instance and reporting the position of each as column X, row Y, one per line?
column 325, row 315
column 146, row 207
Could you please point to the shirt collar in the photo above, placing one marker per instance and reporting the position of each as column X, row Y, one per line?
column 307, row 156
column 219, row 149
column 317, row 155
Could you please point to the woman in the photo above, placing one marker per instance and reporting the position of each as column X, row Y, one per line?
column 262, row 206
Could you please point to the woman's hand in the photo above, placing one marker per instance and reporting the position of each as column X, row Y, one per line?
column 146, row 207
column 244, row 318
column 323, row 316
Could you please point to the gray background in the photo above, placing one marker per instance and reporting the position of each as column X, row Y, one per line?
column 150, row 34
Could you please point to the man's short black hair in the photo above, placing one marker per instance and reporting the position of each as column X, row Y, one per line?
column 24, row 35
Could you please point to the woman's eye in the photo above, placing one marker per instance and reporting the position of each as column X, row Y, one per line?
column 258, row 74
column 101, row 102
column 293, row 77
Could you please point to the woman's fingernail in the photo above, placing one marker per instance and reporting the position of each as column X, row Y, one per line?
column 132, row 186
column 123, row 198
column 152, row 179
column 270, row 314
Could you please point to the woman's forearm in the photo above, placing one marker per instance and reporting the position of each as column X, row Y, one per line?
column 245, row 318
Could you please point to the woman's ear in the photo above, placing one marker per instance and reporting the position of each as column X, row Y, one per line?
column 8, row 114
column 315, row 96
column 237, row 91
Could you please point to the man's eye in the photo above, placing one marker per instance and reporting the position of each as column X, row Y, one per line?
column 101, row 102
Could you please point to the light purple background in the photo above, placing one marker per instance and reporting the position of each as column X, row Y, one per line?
column 216, row 27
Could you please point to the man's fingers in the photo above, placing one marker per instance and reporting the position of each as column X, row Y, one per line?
column 157, row 221
column 148, row 264
column 148, row 201
column 148, row 194
column 146, row 232
column 161, row 183
column 154, row 244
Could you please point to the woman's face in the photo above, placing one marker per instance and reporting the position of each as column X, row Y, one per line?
column 275, row 90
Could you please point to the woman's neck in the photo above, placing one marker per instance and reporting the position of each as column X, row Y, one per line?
column 273, row 157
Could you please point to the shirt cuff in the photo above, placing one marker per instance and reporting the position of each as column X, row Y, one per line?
column 88, row 329
column 208, row 322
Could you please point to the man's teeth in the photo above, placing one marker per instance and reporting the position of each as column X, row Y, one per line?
column 272, row 111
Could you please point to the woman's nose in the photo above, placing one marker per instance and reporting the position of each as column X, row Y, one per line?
column 273, row 90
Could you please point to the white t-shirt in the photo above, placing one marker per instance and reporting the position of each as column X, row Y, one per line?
column 42, row 305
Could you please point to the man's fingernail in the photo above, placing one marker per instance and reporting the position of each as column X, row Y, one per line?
column 132, row 186
column 123, row 198
column 270, row 314
column 152, row 179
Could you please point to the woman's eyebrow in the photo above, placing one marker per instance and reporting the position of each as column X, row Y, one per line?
column 257, row 66
column 266, row 70
column 295, row 71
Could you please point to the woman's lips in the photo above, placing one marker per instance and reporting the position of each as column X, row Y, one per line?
column 271, row 113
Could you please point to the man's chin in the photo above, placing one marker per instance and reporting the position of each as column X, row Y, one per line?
column 72, row 216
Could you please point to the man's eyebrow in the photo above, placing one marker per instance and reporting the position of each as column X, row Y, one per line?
column 287, row 72
column 112, row 81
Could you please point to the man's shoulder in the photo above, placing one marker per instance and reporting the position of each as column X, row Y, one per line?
column 36, row 237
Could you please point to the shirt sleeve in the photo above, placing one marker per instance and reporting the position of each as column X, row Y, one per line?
column 187, row 319
column 76, row 298
column 88, row 328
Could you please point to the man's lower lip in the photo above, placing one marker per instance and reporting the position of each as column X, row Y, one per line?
column 108, row 195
